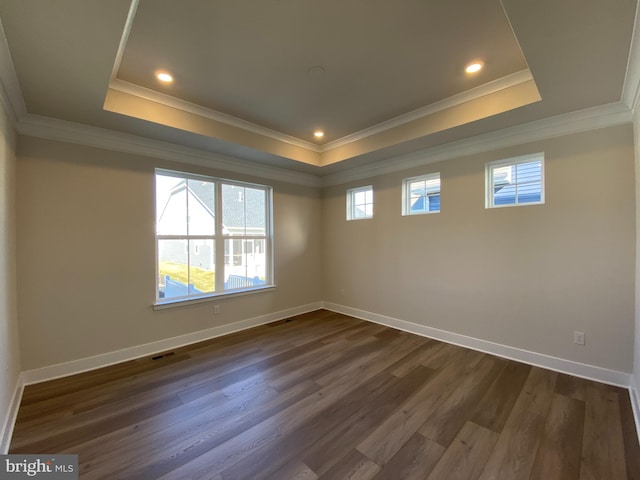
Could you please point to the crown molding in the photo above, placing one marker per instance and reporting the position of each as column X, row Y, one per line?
column 183, row 105
column 631, row 88
column 10, row 91
column 124, row 38
column 60, row 130
column 189, row 107
column 566, row 124
column 494, row 86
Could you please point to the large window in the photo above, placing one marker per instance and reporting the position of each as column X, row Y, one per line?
column 516, row 181
column 212, row 236
column 360, row 203
column 421, row 194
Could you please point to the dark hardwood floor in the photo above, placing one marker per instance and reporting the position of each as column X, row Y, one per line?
column 323, row 395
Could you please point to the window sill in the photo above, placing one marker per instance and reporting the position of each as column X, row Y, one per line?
column 509, row 205
column 181, row 302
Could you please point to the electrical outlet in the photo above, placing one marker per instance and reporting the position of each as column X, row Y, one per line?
column 216, row 309
column 578, row 338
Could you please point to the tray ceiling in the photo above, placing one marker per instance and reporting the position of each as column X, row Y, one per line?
column 256, row 79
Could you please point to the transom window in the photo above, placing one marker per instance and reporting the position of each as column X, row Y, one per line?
column 213, row 236
column 421, row 194
column 515, row 181
column 360, row 203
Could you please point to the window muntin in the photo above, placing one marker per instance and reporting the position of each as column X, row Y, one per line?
column 213, row 236
column 360, row 203
column 421, row 194
column 516, row 181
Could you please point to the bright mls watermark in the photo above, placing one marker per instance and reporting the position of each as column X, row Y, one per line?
column 51, row 467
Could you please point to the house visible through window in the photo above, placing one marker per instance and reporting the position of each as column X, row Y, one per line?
column 204, row 227
column 516, row 181
column 421, row 194
column 360, row 203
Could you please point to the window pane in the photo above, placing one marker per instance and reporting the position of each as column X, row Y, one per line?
column 256, row 207
column 434, row 203
column 202, row 266
column 530, row 192
column 237, row 253
column 244, row 210
column 244, row 269
column 528, row 172
column 504, row 195
column 233, row 210
column 201, row 207
column 359, row 203
column 417, row 205
column 422, row 194
column 417, row 194
column 418, row 188
column 368, row 197
column 173, row 270
column 518, row 183
column 433, row 186
column 359, row 212
column 502, row 175
column 171, row 205
column 368, row 210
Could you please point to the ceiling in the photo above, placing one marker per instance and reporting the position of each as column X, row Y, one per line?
column 255, row 79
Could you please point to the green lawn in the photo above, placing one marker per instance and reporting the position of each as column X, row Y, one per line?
column 203, row 280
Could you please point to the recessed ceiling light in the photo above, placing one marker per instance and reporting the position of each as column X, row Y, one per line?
column 473, row 67
column 164, row 77
column 318, row 134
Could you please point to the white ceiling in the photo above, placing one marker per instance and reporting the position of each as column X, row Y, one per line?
column 391, row 79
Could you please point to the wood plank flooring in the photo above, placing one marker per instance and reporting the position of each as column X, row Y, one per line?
column 326, row 396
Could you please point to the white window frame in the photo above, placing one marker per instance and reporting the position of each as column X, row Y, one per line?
column 219, row 241
column 406, row 194
column 351, row 205
column 509, row 162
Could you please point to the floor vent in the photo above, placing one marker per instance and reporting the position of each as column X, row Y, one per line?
column 162, row 355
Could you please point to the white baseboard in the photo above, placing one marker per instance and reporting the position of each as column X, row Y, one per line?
column 635, row 402
column 103, row 360
column 590, row 372
column 12, row 415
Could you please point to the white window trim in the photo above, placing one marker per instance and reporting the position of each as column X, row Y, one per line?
column 219, row 239
column 489, row 201
column 406, row 195
column 350, row 194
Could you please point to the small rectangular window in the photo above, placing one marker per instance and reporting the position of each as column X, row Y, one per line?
column 421, row 194
column 515, row 181
column 360, row 203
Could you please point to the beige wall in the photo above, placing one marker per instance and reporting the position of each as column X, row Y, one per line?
column 86, row 254
column 526, row 277
column 9, row 345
